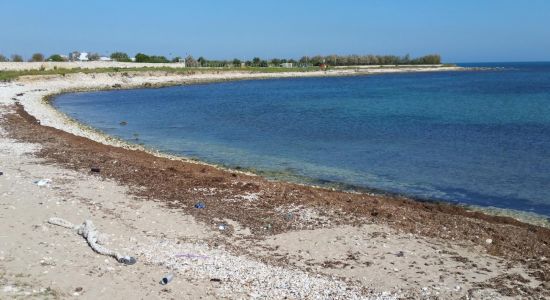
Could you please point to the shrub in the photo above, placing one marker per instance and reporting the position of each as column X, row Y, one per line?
column 120, row 56
column 56, row 57
column 3, row 58
column 37, row 57
column 93, row 56
column 17, row 58
column 142, row 58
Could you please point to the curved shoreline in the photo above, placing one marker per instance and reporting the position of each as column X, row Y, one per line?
column 257, row 212
column 41, row 107
column 520, row 215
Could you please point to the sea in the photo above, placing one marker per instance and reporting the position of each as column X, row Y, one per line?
column 478, row 138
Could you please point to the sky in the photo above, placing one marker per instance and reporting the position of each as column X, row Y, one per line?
column 461, row 31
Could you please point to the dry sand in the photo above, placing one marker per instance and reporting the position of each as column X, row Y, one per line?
column 317, row 257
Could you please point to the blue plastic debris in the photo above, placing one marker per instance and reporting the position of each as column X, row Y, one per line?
column 200, row 205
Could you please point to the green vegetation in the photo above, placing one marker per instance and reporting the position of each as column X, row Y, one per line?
column 359, row 60
column 120, row 56
column 143, row 58
column 16, row 58
column 93, row 56
column 56, row 57
column 11, row 75
column 37, row 57
column 3, row 58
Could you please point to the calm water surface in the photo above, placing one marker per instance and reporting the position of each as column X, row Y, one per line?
column 480, row 138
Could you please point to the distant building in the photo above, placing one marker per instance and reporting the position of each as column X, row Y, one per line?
column 286, row 65
column 105, row 58
column 83, row 56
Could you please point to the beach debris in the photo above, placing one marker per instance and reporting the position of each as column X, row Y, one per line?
column 116, row 85
column 92, row 236
column 43, row 182
column 222, row 226
column 289, row 216
column 215, row 280
column 123, row 123
column 166, row 279
column 200, row 205
column 1, row 173
column 489, row 241
column 95, row 170
column 20, row 94
column 400, row 254
column 191, row 255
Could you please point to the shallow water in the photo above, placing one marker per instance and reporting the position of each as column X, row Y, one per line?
column 480, row 138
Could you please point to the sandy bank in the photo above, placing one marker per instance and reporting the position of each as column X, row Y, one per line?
column 280, row 239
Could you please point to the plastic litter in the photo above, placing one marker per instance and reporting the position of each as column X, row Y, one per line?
column 43, row 182
column 166, row 279
column 200, row 205
column 95, row 170
column 215, row 280
column 1, row 173
column 222, row 227
column 89, row 232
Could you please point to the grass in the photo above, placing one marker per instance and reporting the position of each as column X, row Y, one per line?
column 11, row 75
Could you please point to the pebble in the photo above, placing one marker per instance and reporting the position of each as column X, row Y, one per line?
column 489, row 241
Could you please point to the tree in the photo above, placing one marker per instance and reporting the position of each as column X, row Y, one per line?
column 120, row 56
column 191, row 62
column 176, row 59
column 56, row 57
column 264, row 64
column 37, row 57
column 93, row 56
column 16, row 58
column 3, row 58
column 236, row 62
column 158, row 59
column 256, row 61
column 141, row 58
column 202, row 61
column 276, row 62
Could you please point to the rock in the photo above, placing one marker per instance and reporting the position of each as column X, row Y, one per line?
column 489, row 241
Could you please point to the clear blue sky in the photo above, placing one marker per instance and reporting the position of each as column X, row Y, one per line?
column 461, row 30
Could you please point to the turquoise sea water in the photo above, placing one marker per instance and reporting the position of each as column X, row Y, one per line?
column 475, row 137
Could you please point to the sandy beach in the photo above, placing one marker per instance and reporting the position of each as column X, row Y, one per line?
column 253, row 238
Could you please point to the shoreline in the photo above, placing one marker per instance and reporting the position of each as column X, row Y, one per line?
column 97, row 135
column 282, row 216
column 520, row 215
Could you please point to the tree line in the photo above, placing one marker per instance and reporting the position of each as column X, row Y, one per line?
column 305, row 61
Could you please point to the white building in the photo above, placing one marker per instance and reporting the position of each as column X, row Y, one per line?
column 83, row 56
column 286, row 65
